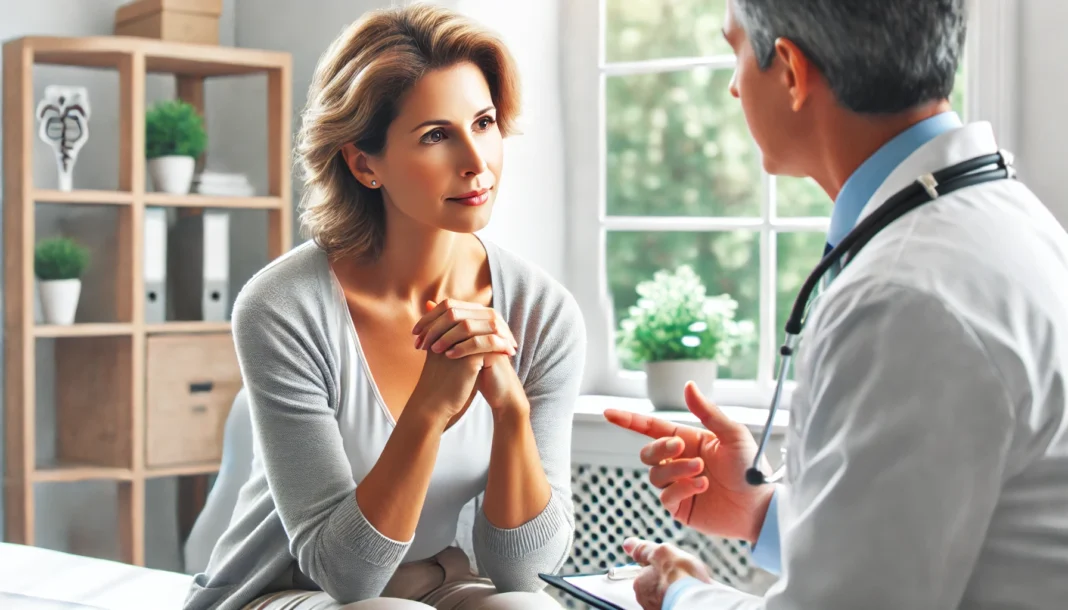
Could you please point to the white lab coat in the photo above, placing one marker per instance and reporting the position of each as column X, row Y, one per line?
column 927, row 463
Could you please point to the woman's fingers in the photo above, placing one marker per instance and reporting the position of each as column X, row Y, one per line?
column 461, row 331
column 436, row 310
column 447, row 320
column 481, row 344
column 675, row 471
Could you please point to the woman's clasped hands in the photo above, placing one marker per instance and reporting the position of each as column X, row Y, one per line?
column 469, row 348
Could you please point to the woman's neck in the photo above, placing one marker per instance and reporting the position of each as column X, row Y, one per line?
column 418, row 263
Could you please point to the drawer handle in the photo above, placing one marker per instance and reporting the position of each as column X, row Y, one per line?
column 200, row 409
column 204, row 386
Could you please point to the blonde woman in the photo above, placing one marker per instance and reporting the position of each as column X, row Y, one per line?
column 396, row 365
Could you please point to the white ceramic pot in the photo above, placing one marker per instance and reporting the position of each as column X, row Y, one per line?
column 666, row 380
column 59, row 300
column 172, row 173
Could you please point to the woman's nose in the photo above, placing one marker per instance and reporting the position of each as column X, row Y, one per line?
column 473, row 162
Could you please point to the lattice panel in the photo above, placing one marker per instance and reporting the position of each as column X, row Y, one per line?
column 614, row 503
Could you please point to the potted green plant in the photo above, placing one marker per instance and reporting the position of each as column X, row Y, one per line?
column 58, row 263
column 174, row 138
column 679, row 334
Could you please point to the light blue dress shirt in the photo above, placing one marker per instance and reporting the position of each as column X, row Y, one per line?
column 858, row 189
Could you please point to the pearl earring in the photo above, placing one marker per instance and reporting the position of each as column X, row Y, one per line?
column 374, row 183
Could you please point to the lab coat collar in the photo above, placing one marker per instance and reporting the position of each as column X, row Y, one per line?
column 949, row 148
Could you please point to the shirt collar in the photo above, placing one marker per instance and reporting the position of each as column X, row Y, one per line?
column 862, row 184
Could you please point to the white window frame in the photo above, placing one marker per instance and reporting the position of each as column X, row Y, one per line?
column 991, row 55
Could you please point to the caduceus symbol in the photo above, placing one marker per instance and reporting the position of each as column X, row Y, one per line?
column 63, row 117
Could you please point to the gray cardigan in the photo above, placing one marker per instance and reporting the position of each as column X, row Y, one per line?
column 296, row 523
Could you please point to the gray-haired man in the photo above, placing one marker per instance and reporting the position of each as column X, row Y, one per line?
column 927, row 460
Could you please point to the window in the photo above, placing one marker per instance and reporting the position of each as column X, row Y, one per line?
column 667, row 174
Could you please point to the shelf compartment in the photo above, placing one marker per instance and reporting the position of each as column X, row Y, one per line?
column 88, row 329
column 69, row 472
column 212, row 201
column 94, row 401
column 83, row 196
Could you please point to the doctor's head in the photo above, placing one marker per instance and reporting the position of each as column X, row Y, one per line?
column 805, row 65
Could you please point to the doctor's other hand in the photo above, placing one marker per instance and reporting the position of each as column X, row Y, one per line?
column 701, row 473
column 664, row 565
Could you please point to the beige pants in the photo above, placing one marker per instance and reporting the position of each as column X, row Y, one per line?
column 444, row 582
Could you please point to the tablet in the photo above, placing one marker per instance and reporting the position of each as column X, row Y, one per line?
column 597, row 590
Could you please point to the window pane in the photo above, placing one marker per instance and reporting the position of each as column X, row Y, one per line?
column 656, row 29
column 678, row 146
column 796, row 197
column 796, row 256
column 727, row 263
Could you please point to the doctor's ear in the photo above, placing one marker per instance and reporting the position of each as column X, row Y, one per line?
column 798, row 73
column 359, row 163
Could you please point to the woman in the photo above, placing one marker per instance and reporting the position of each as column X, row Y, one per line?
column 397, row 366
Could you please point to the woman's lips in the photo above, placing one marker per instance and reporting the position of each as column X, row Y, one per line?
column 472, row 198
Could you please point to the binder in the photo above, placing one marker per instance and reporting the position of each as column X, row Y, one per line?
column 198, row 263
column 155, row 265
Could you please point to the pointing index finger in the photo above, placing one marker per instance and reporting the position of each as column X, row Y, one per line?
column 652, row 427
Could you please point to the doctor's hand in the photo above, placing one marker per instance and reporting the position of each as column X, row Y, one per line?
column 702, row 472
column 664, row 565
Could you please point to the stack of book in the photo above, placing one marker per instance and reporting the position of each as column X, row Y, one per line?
column 220, row 184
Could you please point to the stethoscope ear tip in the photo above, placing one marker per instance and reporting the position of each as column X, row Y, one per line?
column 754, row 477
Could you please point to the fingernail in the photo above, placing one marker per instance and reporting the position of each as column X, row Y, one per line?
column 437, row 348
column 450, row 353
column 674, row 444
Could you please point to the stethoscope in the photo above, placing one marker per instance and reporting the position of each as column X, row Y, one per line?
column 927, row 187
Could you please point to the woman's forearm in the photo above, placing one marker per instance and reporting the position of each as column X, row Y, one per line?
column 391, row 496
column 516, row 487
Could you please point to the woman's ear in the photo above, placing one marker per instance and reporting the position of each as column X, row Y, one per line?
column 357, row 162
column 797, row 72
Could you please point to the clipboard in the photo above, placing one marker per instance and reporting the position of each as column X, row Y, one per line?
column 595, row 601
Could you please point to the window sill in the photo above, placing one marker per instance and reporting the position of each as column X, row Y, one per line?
column 590, row 410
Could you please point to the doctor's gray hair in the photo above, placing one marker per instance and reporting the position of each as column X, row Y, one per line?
column 878, row 56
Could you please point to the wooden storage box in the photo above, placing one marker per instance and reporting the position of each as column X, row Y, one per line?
column 191, row 381
column 194, row 21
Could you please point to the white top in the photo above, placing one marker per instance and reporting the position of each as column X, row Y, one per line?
column 928, row 441
column 365, row 424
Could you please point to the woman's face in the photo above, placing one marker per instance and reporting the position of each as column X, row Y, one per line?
column 443, row 155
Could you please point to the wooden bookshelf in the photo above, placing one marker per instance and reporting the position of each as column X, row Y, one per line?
column 104, row 376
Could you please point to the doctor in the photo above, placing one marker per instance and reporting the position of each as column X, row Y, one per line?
column 927, row 462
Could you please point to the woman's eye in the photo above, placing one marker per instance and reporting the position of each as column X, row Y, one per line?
column 434, row 136
column 485, row 122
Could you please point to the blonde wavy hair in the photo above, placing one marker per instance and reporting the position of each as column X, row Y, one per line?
column 354, row 96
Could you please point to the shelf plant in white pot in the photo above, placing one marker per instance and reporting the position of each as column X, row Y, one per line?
column 174, row 138
column 679, row 334
column 58, row 263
